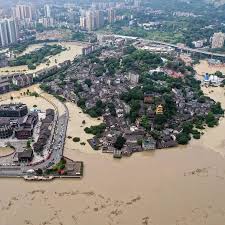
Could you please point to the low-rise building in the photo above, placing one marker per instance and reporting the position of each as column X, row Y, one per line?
column 149, row 144
column 25, row 156
column 22, row 80
column 218, row 40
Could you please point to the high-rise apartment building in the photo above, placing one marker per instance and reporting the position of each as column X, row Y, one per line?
column 22, row 12
column 47, row 21
column 83, row 23
column 3, row 33
column 47, row 11
column 218, row 40
column 12, row 31
column 90, row 20
column 111, row 15
column 8, row 32
column 137, row 3
column 99, row 19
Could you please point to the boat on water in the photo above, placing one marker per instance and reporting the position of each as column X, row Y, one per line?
column 38, row 178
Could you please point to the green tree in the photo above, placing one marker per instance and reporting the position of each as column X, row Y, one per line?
column 187, row 127
column 129, row 49
column 96, row 130
column 76, row 139
column 88, row 82
column 217, row 109
column 219, row 74
column 160, row 119
column 196, row 134
column 112, row 109
column 120, row 141
column 210, row 120
column 183, row 138
column 29, row 144
column 145, row 122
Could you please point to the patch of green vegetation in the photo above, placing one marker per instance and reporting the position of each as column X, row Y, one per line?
column 141, row 61
column 217, row 109
column 88, row 82
column 112, row 108
column 59, row 97
column 211, row 120
column 183, row 138
column 97, row 110
column 95, row 130
column 60, row 165
column 79, row 36
column 76, row 139
column 37, row 57
column 15, row 87
column 21, row 47
column 29, row 143
column 120, row 141
column 35, row 94
column 196, row 134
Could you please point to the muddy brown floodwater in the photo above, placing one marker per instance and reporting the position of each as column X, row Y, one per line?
column 180, row 186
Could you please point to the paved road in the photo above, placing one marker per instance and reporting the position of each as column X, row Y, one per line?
column 57, row 144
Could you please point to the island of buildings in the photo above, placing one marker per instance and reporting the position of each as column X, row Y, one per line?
column 147, row 100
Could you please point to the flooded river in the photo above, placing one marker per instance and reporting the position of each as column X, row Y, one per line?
column 205, row 67
column 181, row 186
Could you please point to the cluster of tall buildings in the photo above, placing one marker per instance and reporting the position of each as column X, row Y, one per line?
column 47, row 20
column 8, row 32
column 218, row 40
column 111, row 15
column 103, row 5
column 92, row 20
column 23, row 12
column 95, row 19
column 47, row 11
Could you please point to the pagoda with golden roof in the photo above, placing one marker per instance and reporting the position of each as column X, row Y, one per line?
column 159, row 110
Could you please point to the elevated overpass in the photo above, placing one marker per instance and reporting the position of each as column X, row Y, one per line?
column 192, row 50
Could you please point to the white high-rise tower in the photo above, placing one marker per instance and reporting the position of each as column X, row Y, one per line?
column 3, row 33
